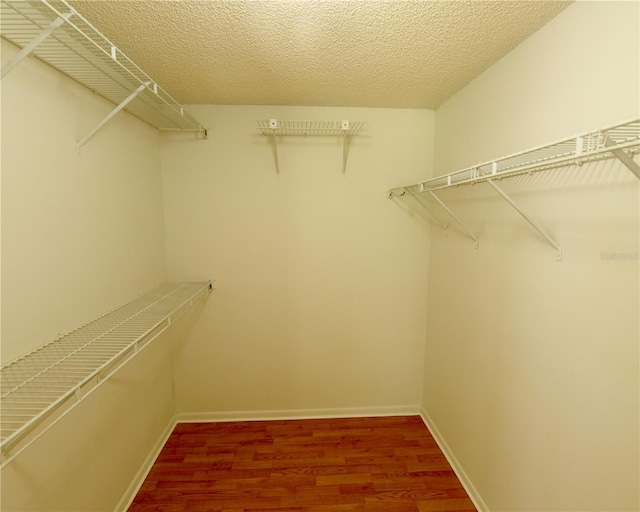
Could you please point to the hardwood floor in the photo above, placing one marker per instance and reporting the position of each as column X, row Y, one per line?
column 386, row 464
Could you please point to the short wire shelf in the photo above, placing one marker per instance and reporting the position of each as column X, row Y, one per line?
column 277, row 128
column 309, row 128
column 38, row 387
column 77, row 49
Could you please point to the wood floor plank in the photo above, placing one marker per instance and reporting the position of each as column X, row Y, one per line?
column 387, row 464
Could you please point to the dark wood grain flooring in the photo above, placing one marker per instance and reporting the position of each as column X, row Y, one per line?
column 386, row 464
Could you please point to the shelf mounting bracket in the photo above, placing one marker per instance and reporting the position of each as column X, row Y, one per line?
column 33, row 44
column 108, row 117
column 621, row 155
column 454, row 217
column 273, row 125
column 344, row 125
column 526, row 217
column 424, row 207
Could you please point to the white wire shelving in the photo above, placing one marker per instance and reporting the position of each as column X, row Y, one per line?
column 621, row 141
column 40, row 387
column 56, row 33
column 282, row 128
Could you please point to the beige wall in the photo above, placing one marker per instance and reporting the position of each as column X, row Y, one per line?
column 88, row 461
column 320, row 294
column 531, row 371
column 322, row 284
column 80, row 234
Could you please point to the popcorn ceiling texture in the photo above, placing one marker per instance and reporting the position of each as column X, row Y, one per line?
column 357, row 53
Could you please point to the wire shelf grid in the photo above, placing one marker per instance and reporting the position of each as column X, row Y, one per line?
column 595, row 145
column 309, row 128
column 78, row 50
column 35, row 385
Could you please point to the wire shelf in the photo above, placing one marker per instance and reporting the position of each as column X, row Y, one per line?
column 278, row 127
column 77, row 49
column 58, row 374
column 309, row 128
column 615, row 141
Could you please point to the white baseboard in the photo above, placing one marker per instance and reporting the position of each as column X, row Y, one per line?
column 466, row 482
column 297, row 414
column 141, row 474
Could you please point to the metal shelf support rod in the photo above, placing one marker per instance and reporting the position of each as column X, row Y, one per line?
column 426, row 209
column 624, row 158
column 273, row 125
column 33, row 44
column 275, row 151
column 454, row 217
column 526, row 217
column 345, row 150
column 108, row 117
column 344, row 125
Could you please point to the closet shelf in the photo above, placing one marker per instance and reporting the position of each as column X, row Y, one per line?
column 282, row 128
column 595, row 145
column 621, row 141
column 57, row 34
column 41, row 386
column 309, row 128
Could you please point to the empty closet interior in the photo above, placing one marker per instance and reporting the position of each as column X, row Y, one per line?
column 307, row 230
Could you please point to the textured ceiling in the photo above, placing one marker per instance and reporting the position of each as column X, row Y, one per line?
column 358, row 53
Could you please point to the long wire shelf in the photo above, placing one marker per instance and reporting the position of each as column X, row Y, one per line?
column 57, row 34
column 40, row 386
column 615, row 141
column 621, row 141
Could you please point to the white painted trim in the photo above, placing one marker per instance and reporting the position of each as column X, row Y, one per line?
column 131, row 492
column 466, row 482
column 297, row 414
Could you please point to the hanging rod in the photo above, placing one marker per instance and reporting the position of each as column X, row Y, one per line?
column 620, row 141
column 40, row 387
column 282, row 128
column 56, row 33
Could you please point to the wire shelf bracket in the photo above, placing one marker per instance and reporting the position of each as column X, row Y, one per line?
column 41, row 387
column 108, row 117
column 526, row 217
column 274, row 128
column 33, row 44
column 454, row 217
column 621, row 155
column 620, row 141
column 58, row 35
